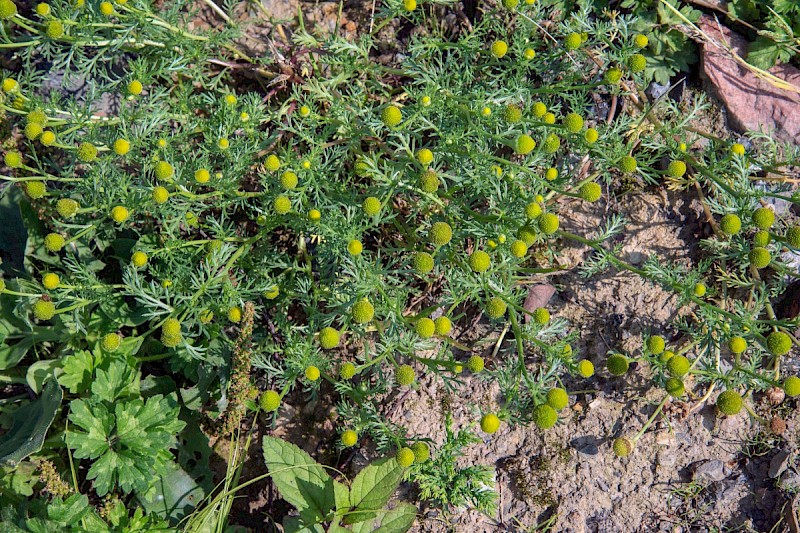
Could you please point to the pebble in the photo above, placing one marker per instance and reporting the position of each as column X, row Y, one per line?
column 709, row 471
column 779, row 463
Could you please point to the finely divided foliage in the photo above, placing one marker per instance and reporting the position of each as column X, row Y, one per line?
column 202, row 239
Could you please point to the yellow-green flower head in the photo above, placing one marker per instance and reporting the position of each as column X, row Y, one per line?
column 202, row 175
column 429, row 181
column 552, row 143
column 566, row 353
column 527, row 235
column 490, row 423
column 700, row 289
column 544, row 416
column 475, row 364
column 54, row 29
column 47, row 138
column 585, row 368
column 549, row 118
column 779, row 343
column 791, row 385
column 622, row 447
column 139, row 259
column 120, row 214
column 425, row 327
column 424, row 156
column 362, row 311
column 529, row 53
column 111, row 341
column 135, row 87
column 304, row 111
column 440, row 233
column 422, row 262
column 405, row 457
column 764, row 218
column 272, row 163
column 206, row 316
column 87, row 152
column 591, row 191
column 347, row 371
column 230, row 99
column 759, row 257
column 35, row 189
column 171, row 327
column 404, row 375
column 314, row 215
column 312, row 373
column 533, row 210
column 557, row 398
column 678, row 366
column 164, row 170
column 426, row 101
column 573, row 122
column 512, row 114
column 675, row 387
column 738, row 149
column 541, row 316
column 510, row 4
column 2, row 285
column 737, row 345
column 354, row 247
column 50, row 281
column 33, row 131
column 269, row 401
column 282, row 204
column 539, row 109
column 329, row 338
column 8, row 9
column 160, row 195
column 548, row 223
column 122, row 146
column 235, row 314
column 573, row 41
column 44, row 309
column 442, row 325
column 372, row 206
column 422, row 451
column 349, row 438
column 410, row 5
column 591, row 135
column 499, row 49
column 13, row 159
column 479, row 261
column 730, row 224
column 613, row 76
column 524, row 144
column 637, row 63
column 289, row 180
column 762, row 238
column 656, row 344
column 793, row 236
column 676, row 169
column 9, row 85
column 641, row 41
column 486, row 111
column 391, row 116
column 729, row 402
column 628, row 164
column 617, row 364
column 54, row 242
column 665, row 356
column 519, row 249
column 496, row 308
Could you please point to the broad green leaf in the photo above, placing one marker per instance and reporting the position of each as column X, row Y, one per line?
column 12, row 354
column 96, row 423
column 30, row 425
column 341, row 495
column 78, row 369
column 397, row 520
column 174, row 495
column 41, row 371
column 301, row 481
column 13, row 234
column 68, row 511
column 764, row 53
column 292, row 524
column 373, row 487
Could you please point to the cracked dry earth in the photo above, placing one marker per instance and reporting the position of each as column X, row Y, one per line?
column 689, row 472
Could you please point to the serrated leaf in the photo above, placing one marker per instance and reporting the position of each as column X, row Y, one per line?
column 78, row 369
column 119, row 380
column 764, row 53
column 68, row 511
column 30, row 425
column 397, row 520
column 372, row 488
column 301, row 481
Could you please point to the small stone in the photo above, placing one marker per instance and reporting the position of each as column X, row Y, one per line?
column 779, row 463
column 709, row 471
